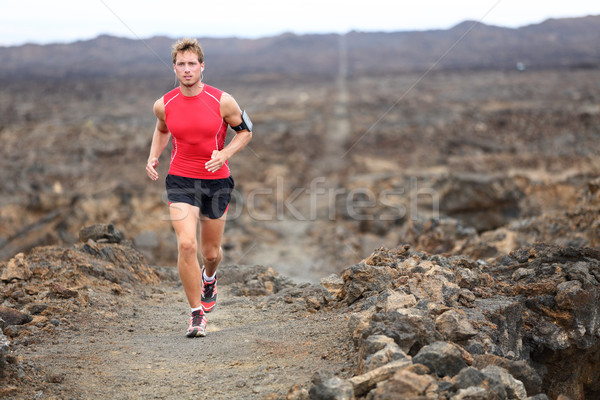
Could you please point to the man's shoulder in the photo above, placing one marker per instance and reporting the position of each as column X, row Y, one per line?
column 170, row 94
column 213, row 90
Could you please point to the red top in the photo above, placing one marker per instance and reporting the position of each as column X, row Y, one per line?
column 197, row 129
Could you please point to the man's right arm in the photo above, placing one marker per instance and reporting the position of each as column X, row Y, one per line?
column 160, row 139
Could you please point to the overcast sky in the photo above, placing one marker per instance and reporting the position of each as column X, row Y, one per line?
column 51, row 21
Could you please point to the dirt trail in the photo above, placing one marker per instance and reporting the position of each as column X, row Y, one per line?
column 339, row 125
column 300, row 255
column 255, row 348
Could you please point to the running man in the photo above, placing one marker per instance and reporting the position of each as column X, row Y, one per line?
column 199, row 183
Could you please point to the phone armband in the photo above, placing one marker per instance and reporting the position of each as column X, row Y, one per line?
column 245, row 125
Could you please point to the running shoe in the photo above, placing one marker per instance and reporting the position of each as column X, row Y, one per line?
column 209, row 293
column 197, row 324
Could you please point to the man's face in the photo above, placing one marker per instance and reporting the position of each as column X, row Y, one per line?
column 188, row 68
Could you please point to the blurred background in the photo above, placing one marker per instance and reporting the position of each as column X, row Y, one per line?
column 468, row 128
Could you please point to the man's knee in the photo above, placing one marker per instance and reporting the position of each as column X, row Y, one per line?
column 187, row 246
column 211, row 254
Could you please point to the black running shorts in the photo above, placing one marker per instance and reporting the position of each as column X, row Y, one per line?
column 212, row 196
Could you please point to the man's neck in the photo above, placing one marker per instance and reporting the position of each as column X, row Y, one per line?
column 193, row 90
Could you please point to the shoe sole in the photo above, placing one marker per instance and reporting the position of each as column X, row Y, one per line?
column 196, row 333
column 207, row 310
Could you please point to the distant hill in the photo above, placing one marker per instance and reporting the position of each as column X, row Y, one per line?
column 555, row 43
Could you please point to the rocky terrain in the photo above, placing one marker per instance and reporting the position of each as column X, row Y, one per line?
column 476, row 164
column 415, row 233
column 94, row 320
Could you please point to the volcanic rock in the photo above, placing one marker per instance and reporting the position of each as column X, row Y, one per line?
column 533, row 314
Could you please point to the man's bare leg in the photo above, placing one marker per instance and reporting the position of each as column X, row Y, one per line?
column 211, row 234
column 184, row 218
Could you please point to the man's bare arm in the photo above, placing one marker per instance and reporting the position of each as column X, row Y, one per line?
column 160, row 139
column 232, row 114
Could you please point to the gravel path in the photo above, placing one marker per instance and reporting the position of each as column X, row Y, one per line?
column 255, row 348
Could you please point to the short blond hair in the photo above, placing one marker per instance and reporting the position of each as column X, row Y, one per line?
column 186, row 44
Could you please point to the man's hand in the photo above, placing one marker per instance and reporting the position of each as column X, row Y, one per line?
column 151, row 168
column 217, row 160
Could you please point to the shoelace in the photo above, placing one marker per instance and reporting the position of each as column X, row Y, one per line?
column 209, row 288
column 197, row 318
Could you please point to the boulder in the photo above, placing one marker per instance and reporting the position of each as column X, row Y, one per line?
column 442, row 358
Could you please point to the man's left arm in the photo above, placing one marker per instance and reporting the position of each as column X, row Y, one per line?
column 232, row 114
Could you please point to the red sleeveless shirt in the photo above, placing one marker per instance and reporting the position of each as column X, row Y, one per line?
column 197, row 129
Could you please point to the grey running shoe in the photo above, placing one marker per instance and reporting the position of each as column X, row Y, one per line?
column 209, row 294
column 197, row 324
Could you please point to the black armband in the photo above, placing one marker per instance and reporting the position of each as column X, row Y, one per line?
column 246, row 123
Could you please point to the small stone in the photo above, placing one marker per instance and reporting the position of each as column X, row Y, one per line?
column 4, row 346
column 16, row 269
column 468, row 377
column 331, row 389
column 313, row 303
column 514, row 388
column 37, row 308
column 104, row 232
column 333, row 284
column 61, row 291
column 392, row 300
column 297, row 392
column 472, row 393
column 55, row 378
column 116, row 289
column 454, row 326
column 14, row 317
column 11, row 331
column 404, row 384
